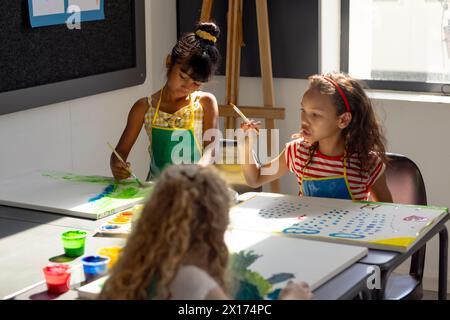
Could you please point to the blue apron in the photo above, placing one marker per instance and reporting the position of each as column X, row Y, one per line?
column 336, row 187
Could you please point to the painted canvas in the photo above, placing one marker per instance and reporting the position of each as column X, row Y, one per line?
column 385, row 226
column 92, row 197
column 261, row 264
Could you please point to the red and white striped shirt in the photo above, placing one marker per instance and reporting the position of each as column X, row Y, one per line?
column 322, row 166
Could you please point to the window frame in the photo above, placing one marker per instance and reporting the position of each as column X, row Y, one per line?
column 430, row 87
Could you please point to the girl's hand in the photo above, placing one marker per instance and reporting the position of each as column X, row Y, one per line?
column 253, row 125
column 296, row 291
column 251, row 130
column 119, row 170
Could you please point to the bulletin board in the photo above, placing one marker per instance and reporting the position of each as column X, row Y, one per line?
column 50, row 64
column 294, row 35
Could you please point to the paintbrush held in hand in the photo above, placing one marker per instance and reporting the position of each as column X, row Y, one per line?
column 126, row 166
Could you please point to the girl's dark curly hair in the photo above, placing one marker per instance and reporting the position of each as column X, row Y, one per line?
column 364, row 134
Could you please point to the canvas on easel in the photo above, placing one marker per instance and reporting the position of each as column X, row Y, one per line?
column 92, row 197
column 385, row 226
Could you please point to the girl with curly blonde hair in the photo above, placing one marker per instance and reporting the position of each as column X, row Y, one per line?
column 177, row 249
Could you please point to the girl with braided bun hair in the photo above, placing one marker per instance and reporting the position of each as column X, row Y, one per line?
column 177, row 116
column 177, row 248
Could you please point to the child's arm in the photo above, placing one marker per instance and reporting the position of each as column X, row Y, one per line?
column 216, row 294
column 128, row 138
column 296, row 291
column 210, row 116
column 257, row 175
column 379, row 191
column 292, row 291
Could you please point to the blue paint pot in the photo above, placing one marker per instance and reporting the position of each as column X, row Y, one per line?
column 95, row 267
column 110, row 227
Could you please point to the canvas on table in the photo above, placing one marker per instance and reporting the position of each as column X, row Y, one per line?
column 267, row 261
column 92, row 197
column 384, row 226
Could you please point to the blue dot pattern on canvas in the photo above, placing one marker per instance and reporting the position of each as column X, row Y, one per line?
column 282, row 209
column 358, row 227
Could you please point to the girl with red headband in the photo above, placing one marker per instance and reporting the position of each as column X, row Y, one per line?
column 340, row 150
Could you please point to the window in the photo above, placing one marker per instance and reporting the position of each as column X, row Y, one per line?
column 397, row 44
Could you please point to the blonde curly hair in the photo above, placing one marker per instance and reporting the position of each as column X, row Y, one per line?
column 187, row 212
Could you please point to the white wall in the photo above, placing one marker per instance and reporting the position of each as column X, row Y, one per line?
column 72, row 135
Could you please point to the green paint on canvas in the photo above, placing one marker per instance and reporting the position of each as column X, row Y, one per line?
column 251, row 285
column 115, row 193
column 89, row 179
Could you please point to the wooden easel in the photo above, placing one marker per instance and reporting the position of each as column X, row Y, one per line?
column 233, row 64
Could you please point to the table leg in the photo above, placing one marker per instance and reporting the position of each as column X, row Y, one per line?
column 443, row 256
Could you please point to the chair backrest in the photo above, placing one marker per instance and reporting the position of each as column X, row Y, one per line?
column 405, row 182
column 231, row 171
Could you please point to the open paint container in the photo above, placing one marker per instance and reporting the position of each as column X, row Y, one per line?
column 95, row 267
column 57, row 277
column 73, row 242
column 111, row 252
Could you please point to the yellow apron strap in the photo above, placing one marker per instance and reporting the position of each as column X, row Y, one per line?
column 345, row 167
column 346, row 179
column 191, row 124
column 157, row 106
column 193, row 100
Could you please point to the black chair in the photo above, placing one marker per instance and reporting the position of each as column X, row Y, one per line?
column 406, row 185
column 231, row 171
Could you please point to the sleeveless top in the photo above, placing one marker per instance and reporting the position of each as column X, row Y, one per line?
column 191, row 283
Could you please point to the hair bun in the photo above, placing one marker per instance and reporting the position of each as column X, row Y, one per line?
column 207, row 31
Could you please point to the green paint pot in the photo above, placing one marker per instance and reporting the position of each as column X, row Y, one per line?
column 73, row 242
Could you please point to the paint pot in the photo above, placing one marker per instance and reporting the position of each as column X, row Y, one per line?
column 120, row 220
column 57, row 277
column 95, row 267
column 137, row 210
column 111, row 252
column 126, row 214
column 110, row 227
column 73, row 242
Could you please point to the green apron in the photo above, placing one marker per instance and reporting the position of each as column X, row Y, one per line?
column 172, row 145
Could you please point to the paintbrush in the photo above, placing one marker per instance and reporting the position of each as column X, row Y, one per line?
column 239, row 112
column 246, row 120
column 126, row 166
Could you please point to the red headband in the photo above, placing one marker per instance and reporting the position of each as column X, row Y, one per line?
column 341, row 92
